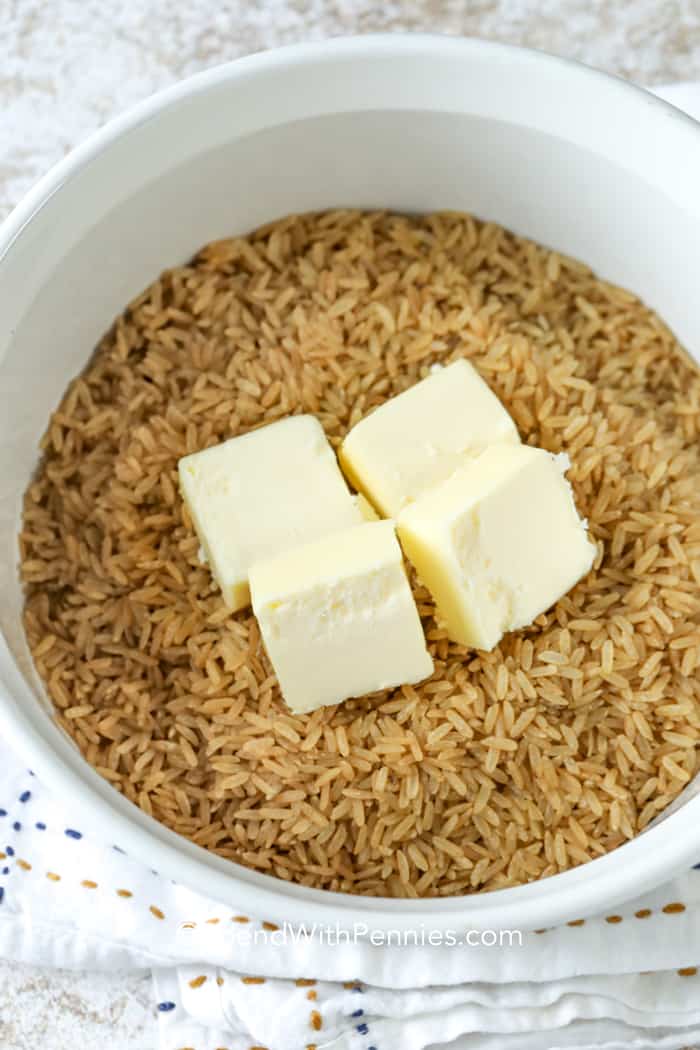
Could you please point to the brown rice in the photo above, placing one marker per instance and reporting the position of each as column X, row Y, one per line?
column 502, row 768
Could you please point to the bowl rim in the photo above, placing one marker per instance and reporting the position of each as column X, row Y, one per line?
column 633, row 868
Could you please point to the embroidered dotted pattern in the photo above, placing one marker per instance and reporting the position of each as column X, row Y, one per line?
column 315, row 1018
column 71, row 833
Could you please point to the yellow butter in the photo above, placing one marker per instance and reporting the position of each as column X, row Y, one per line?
column 365, row 508
column 256, row 495
column 338, row 617
column 419, row 438
column 498, row 543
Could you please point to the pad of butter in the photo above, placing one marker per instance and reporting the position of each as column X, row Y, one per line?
column 497, row 543
column 338, row 617
column 256, row 495
column 419, row 438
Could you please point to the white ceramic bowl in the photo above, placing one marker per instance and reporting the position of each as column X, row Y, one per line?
column 573, row 158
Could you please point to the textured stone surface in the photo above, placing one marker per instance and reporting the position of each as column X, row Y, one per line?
column 60, row 1010
column 67, row 66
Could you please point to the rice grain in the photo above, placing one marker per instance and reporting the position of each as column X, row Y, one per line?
column 504, row 767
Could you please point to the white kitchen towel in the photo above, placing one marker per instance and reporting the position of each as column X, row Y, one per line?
column 230, row 980
column 226, row 980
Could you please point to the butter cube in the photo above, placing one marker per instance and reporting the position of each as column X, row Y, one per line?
column 365, row 508
column 338, row 617
column 419, row 438
column 259, row 494
column 497, row 543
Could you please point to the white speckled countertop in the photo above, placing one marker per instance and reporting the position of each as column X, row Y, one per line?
column 69, row 65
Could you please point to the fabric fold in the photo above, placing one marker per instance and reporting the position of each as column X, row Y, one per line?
column 230, row 981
